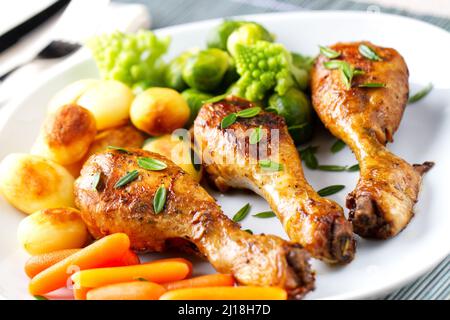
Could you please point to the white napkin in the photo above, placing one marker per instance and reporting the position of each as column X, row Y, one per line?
column 123, row 17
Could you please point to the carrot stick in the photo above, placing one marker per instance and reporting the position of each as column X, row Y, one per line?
column 109, row 248
column 136, row 290
column 210, row 280
column 129, row 259
column 187, row 262
column 80, row 293
column 40, row 262
column 158, row 272
column 226, row 293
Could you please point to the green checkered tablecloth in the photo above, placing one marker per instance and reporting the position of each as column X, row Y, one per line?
column 434, row 285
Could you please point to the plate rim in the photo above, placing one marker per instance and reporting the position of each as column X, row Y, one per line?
column 83, row 56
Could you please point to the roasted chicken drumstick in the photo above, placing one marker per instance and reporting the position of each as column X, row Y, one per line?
column 365, row 118
column 189, row 214
column 318, row 224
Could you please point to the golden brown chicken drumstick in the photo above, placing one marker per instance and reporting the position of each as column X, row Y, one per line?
column 318, row 224
column 365, row 118
column 189, row 214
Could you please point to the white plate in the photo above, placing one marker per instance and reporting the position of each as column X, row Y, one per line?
column 379, row 266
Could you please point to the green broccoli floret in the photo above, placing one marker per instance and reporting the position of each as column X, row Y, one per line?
column 263, row 66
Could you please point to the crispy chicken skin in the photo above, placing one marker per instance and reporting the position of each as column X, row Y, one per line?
column 366, row 119
column 190, row 215
column 318, row 224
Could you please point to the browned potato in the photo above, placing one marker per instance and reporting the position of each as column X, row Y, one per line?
column 178, row 151
column 125, row 137
column 31, row 183
column 66, row 135
column 108, row 100
column 52, row 229
column 159, row 111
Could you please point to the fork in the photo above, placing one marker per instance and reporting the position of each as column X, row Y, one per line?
column 55, row 49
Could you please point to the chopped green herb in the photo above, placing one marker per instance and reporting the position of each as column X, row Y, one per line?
column 95, row 181
column 338, row 146
column 141, row 279
column 308, row 156
column 270, row 165
column 256, row 135
column 358, row 72
column 160, row 199
column 40, row 298
column 249, row 113
column 242, row 213
column 333, row 64
column 329, row 53
column 228, row 120
column 372, row 85
column 119, row 149
column 151, row 164
column 126, row 179
column 328, row 191
column 331, row 168
column 420, row 94
column 346, row 69
column 265, row 214
column 216, row 98
column 249, row 231
column 368, row 53
column 353, row 168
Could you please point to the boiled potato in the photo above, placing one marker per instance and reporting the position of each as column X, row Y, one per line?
column 179, row 151
column 109, row 101
column 52, row 229
column 66, row 135
column 70, row 94
column 159, row 111
column 31, row 183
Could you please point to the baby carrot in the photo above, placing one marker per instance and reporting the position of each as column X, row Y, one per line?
column 40, row 262
column 210, row 280
column 80, row 293
column 187, row 262
column 135, row 290
column 109, row 248
column 158, row 272
column 226, row 293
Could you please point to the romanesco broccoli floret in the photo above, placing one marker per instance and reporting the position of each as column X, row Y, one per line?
column 262, row 67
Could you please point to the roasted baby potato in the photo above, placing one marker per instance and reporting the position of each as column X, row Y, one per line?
column 108, row 100
column 52, row 229
column 125, row 137
column 66, row 135
column 159, row 111
column 70, row 93
column 31, row 183
column 179, row 151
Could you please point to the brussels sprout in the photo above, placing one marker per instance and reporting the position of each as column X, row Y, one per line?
column 217, row 37
column 302, row 62
column 230, row 77
column 296, row 109
column 173, row 75
column 195, row 100
column 247, row 34
column 204, row 71
column 301, row 77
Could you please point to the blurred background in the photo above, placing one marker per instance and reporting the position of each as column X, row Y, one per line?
column 29, row 26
